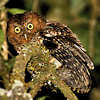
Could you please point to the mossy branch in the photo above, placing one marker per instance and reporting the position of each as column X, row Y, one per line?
column 36, row 58
column 3, row 24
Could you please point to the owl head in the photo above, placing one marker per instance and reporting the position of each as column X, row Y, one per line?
column 22, row 27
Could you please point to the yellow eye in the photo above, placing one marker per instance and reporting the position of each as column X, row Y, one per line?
column 30, row 26
column 17, row 29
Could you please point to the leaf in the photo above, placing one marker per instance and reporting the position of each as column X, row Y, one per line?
column 14, row 11
column 42, row 98
column 1, row 38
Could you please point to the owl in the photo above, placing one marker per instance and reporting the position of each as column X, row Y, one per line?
column 72, row 62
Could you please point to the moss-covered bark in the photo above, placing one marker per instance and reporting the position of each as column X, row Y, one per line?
column 35, row 59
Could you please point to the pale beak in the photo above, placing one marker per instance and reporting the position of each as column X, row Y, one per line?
column 25, row 36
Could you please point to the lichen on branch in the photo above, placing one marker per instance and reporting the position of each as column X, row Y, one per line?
column 34, row 60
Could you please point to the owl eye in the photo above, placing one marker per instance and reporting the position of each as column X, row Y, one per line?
column 17, row 29
column 30, row 26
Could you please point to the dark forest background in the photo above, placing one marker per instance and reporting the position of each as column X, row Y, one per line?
column 82, row 16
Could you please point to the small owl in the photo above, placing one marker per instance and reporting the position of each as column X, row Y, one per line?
column 73, row 63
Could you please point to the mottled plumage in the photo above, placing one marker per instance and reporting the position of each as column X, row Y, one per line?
column 74, row 64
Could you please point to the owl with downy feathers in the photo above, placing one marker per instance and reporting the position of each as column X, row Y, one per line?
column 74, row 64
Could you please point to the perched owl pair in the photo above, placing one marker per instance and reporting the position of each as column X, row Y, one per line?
column 61, row 42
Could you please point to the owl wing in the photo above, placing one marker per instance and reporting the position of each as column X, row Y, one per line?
column 66, row 48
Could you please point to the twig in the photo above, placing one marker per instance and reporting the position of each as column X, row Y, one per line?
column 2, row 3
column 92, row 26
column 3, row 18
column 35, row 5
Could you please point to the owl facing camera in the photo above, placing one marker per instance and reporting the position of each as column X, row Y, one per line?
column 61, row 42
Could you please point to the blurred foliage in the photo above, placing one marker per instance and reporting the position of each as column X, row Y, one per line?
column 1, row 38
column 28, row 4
column 42, row 98
column 77, row 7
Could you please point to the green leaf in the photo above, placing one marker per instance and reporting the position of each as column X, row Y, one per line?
column 14, row 11
column 42, row 98
column 1, row 37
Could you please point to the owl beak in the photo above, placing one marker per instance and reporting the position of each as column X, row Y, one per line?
column 25, row 36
